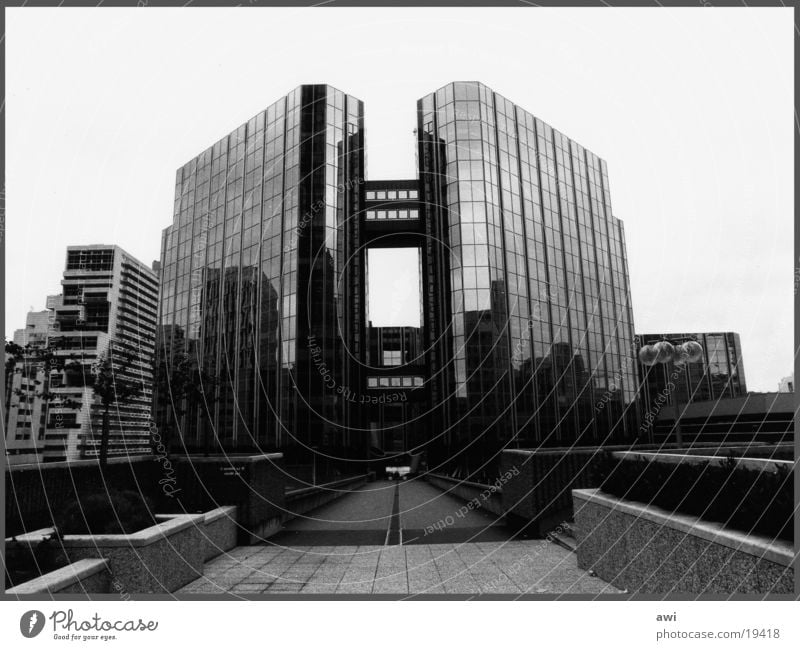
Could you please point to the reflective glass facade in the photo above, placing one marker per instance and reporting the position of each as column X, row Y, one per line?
column 527, row 331
column 534, row 338
column 720, row 374
column 256, row 272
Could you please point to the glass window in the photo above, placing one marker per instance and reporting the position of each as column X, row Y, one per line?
column 380, row 195
column 402, row 194
column 392, row 357
column 372, row 382
column 412, row 194
column 417, row 381
column 371, row 195
column 413, row 214
column 391, row 194
column 384, row 381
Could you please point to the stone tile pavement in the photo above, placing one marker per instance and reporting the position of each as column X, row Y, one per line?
column 513, row 567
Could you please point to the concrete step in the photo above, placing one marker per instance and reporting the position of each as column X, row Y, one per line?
column 564, row 536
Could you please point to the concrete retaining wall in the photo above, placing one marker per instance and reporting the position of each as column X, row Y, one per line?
column 221, row 531
column 254, row 484
column 648, row 550
column 540, row 495
column 81, row 577
column 158, row 559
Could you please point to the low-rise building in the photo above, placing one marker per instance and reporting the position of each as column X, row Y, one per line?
column 719, row 375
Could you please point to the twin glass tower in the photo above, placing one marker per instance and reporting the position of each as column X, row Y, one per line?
column 527, row 329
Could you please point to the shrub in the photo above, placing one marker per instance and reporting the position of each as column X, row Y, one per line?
column 114, row 512
column 749, row 500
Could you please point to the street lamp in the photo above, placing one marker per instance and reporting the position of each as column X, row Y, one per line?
column 679, row 352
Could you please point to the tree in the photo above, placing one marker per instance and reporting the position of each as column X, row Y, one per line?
column 184, row 386
column 45, row 357
column 109, row 378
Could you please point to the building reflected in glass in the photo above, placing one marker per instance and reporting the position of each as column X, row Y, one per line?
column 534, row 331
column 257, row 274
column 719, row 375
column 527, row 330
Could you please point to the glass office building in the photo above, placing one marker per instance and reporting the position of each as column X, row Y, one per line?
column 256, row 275
column 535, row 331
column 719, row 375
column 527, row 330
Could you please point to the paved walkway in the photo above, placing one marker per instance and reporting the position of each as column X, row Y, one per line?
column 397, row 538
column 389, row 512
column 524, row 567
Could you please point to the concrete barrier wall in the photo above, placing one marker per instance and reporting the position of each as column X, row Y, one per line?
column 170, row 555
column 158, row 559
column 82, row 577
column 648, row 550
column 675, row 458
column 255, row 484
column 35, row 492
column 541, row 491
column 221, row 531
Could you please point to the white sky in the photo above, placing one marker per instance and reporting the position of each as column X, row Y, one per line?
column 394, row 286
column 691, row 108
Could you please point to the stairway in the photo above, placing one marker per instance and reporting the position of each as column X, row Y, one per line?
column 564, row 536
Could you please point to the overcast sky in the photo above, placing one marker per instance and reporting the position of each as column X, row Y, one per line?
column 692, row 109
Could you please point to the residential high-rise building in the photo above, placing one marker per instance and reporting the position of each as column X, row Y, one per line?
column 25, row 380
column 109, row 303
column 35, row 332
column 527, row 327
